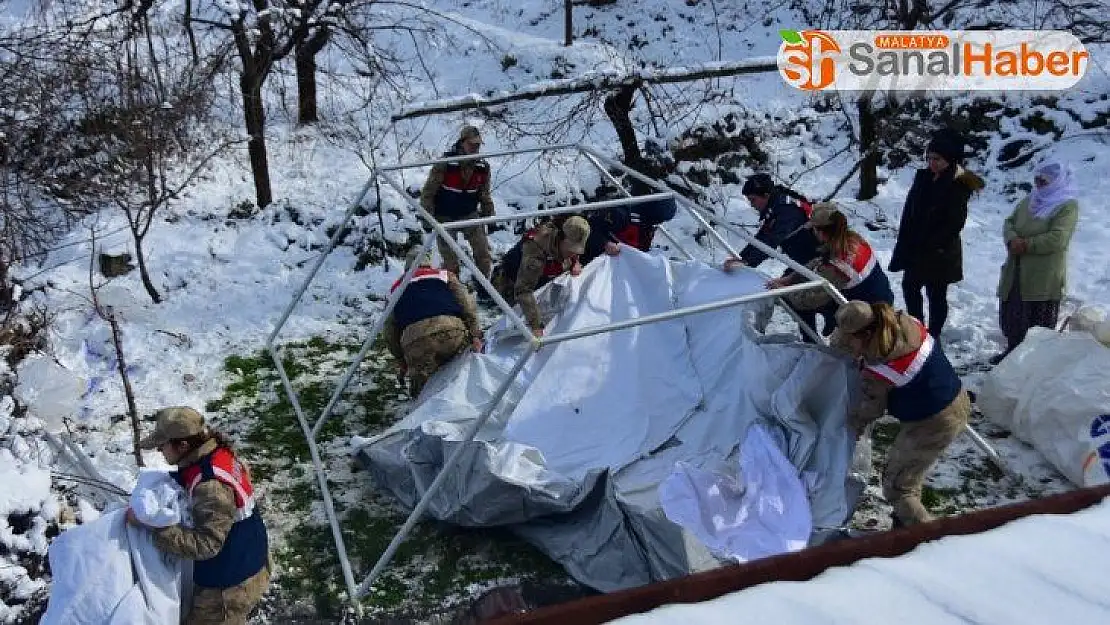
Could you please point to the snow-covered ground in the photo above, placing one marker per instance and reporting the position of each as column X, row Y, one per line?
column 226, row 280
column 1001, row 576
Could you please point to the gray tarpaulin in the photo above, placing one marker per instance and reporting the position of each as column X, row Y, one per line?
column 573, row 457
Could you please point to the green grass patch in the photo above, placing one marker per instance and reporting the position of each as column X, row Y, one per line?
column 438, row 564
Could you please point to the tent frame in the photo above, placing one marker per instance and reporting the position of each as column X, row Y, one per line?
column 445, row 232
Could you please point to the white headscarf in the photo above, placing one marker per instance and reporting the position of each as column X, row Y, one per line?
column 1045, row 201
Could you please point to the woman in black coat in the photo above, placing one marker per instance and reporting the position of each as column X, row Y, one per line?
column 929, row 249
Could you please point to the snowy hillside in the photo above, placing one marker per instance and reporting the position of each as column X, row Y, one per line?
column 227, row 270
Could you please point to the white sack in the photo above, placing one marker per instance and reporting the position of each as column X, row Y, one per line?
column 1053, row 392
column 110, row 573
column 159, row 501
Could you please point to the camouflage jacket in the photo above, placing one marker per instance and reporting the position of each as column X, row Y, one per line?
column 213, row 514
column 435, row 181
column 535, row 255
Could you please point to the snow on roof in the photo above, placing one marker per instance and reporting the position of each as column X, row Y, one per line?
column 1039, row 569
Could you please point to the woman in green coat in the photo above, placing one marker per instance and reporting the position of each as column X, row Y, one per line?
column 1037, row 235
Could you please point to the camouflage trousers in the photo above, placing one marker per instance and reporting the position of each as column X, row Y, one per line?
column 505, row 287
column 429, row 344
column 228, row 606
column 479, row 245
column 914, row 452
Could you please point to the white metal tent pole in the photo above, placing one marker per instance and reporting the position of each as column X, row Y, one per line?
column 321, row 478
column 448, row 465
column 310, row 439
column 613, row 180
column 379, row 323
column 562, row 210
column 483, row 155
column 673, row 314
column 319, row 262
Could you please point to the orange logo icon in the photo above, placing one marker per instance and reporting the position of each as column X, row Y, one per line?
column 803, row 60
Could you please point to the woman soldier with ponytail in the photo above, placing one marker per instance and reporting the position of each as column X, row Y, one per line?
column 227, row 541
column 905, row 372
column 846, row 260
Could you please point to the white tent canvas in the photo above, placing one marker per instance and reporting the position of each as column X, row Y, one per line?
column 574, row 456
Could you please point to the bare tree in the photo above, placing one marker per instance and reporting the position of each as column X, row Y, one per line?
column 108, row 315
column 40, row 188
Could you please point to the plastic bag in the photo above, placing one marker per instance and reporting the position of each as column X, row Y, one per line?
column 50, row 391
column 1053, row 392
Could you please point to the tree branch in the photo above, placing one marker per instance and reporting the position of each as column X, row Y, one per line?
column 592, row 81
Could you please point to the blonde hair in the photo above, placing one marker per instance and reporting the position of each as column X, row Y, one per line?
column 881, row 335
column 839, row 238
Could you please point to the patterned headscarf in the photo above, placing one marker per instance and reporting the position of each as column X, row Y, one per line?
column 1045, row 200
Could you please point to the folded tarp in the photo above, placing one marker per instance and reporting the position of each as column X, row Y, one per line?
column 573, row 458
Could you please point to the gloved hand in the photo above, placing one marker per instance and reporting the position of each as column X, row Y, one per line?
column 732, row 263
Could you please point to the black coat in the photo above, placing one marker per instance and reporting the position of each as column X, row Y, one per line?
column 782, row 227
column 929, row 245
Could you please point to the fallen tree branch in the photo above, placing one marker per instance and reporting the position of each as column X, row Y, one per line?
column 590, row 81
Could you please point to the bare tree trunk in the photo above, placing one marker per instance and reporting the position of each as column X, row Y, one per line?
column 121, row 365
column 254, row 116
column 144, row 275
column 869, row 154
column 618, row 108
column 307, row 110
column 568, row 22
column 188, row 23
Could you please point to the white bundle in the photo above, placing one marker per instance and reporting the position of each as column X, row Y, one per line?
column 159, row 501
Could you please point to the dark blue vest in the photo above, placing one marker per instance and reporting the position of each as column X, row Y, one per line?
column 423, row 299
column 875, row 288
column 455, row 198
column 245, row 551
column 934, row 387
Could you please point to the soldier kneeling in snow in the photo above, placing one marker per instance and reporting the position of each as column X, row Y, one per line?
column 904, row 370
column 433, row 321
column 543, row 254
column 227, row 542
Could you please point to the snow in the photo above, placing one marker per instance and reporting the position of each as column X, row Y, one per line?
column 1039, row 569
column 24, row 496
column 226, row 281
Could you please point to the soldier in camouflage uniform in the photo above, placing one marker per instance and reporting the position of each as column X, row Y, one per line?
column 906, row 372
column 544, row 253
column 434, row 320
column 227, row 543
column 845, row 259
column 454, row 192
